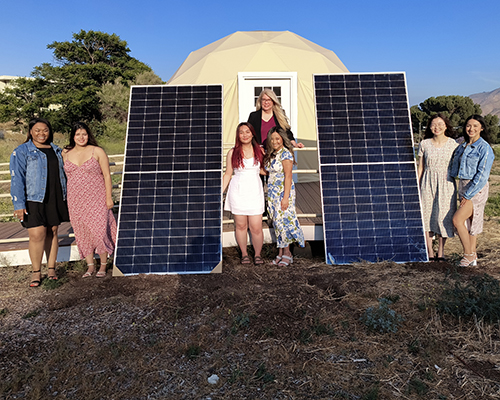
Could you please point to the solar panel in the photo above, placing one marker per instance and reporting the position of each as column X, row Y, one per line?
column 369, row 188
column 170, row 217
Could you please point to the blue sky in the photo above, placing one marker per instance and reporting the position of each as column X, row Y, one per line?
column 445, row 46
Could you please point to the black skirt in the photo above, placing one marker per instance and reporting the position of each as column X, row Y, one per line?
column 54, row 209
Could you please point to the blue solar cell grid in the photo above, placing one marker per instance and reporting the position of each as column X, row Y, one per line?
column 170, row 218
column 371, row 207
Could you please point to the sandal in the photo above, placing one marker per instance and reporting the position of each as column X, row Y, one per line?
column 102, row 274
column 277, row 260
column 245, row 260
column 258, row 260
column 89, row 273
column 286, row 261
column 53, row 277
column 465, row 262
column 36, row 282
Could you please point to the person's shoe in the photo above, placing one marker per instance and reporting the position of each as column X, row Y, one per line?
column 36, row 282
column 90, row 271
column 467, row 262
column 53, row 277
column 286, row 261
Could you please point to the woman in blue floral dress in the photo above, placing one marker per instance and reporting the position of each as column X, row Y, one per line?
column 279, row 162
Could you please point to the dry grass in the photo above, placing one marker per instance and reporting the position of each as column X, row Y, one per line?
column 267, row 332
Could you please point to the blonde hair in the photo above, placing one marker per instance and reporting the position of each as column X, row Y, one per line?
column 278, row 111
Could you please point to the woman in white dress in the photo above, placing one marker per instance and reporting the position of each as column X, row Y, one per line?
column 245, row 195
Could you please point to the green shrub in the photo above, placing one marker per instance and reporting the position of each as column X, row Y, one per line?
column 382, row 319
column 480, row 297
column 492, row 208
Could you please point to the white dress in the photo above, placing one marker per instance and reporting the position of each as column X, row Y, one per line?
column 245, row 195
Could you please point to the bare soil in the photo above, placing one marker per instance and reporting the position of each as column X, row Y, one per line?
column 267, row 332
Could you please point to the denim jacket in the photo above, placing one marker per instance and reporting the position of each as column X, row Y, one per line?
column 473, row 162
column 28, row 171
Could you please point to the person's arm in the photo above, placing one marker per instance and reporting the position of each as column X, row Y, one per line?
column 103, row 160
column 18, row 182
column 483, row 173
column 229, row 170
column 420, row 170
column 287, row 170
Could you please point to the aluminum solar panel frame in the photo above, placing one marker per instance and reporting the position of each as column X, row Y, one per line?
column 170, row 217
column 369, row 186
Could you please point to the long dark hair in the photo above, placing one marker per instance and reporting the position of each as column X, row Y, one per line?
column 484, row 133
column 449, row 128
column 35, row 121
column 237, row 158
column 270, row 152
column 80, row 125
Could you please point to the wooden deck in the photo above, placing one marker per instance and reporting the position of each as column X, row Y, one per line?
column 15, row 252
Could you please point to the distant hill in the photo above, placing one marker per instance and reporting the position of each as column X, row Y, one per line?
column 489, row 101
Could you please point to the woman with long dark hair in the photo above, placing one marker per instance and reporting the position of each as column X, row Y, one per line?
column 437, row 188
column 245, row 195
column 38, row 190
column 278, row 161
column 472, row 164
column 90, row 199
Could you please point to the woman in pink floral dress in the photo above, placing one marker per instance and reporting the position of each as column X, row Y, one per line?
column 89, row 197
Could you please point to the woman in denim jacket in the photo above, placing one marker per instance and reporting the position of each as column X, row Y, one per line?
column 38, row 190
column 472, row 163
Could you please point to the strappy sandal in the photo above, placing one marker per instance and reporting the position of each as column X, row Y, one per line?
column 258, row 260
column 277, row 260
column 465, row 262
column 246, row 260
column 285, row 261
column 101, row 274
column 53, row 277
column 89, row 273
column 36, row 282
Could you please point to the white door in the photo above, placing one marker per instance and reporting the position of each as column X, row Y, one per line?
column 284, row 84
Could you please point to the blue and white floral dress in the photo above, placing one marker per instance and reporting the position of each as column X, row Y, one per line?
column 286, row 224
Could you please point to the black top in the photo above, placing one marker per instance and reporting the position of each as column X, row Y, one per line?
column 255, row 118
column 53, row 210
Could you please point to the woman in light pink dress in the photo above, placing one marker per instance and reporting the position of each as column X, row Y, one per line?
column 89, row 198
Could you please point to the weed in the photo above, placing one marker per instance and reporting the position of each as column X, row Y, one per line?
column 417, row 386
column 392, row 298
column 481, row 297
column 371, row 394
column 239, row 322
column 414, row 347
column 305, row 336
column 263, row 375
column 235, row 376
column 193, row 351
column 321, row 329
column 31, row 314
column 3, row 311
column 51, row 284
column 382, row 319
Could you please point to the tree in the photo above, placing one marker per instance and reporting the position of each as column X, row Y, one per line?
column 68, row 91
column 455, row 108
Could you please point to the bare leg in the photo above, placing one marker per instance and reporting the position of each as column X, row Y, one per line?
column 51, row 248
column 102, row 269
column 90, row 265
column 36, row 248
column 241, row 228
column 255, row 223
column 442, row 241
column 428, row 241
column 473, row 244
column 462, row 214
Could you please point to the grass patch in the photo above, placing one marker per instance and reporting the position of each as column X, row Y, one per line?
column 492, row 208
column 31, row 314
column 480, row 297
column 382, row 319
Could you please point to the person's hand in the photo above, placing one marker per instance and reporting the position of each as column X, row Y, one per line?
column 19, row 214
column 110, row 204
column 295, row 144
column 463, row 202
column 284, row 204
